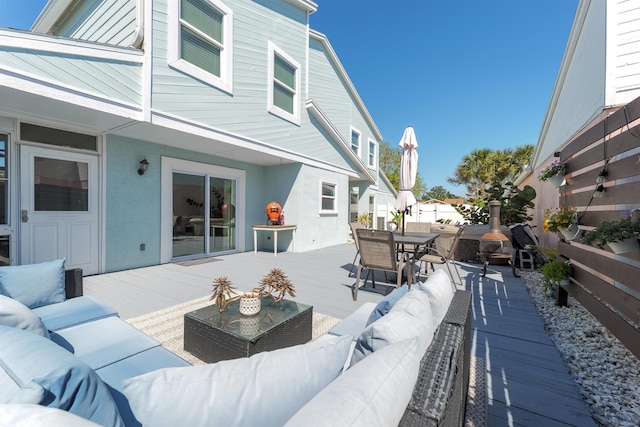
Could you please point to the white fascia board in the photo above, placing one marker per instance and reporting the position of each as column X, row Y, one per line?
column 19, row 80
column 324, row 121
column 347, row 81
column 50, row 15
column 306, row 5
column 239, row 141
column 61, row 45
column 567, row 58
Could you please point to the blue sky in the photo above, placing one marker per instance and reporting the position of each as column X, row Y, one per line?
column 477, row 75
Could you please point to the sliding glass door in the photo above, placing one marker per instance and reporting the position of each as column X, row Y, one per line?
column 204, row 214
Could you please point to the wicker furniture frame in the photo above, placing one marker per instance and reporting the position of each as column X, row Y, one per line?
column 212, row 336
column 440, row 394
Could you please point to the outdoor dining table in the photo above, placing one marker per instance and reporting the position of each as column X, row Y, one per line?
column 414, row 239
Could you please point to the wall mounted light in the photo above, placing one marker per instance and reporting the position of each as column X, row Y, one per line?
column 599, row 192
column 144, row 165
column 602, row 176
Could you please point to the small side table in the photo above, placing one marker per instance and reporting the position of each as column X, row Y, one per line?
column 273, row 229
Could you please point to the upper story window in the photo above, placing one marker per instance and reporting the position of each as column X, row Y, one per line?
column 200, row 40
column 284, row 85
column 328, row 197
column 372, row 153
column 355, row 141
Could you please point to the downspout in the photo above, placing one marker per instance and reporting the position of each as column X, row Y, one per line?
column 138, row 34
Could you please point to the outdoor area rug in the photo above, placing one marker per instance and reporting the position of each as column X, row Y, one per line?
column 167, row 326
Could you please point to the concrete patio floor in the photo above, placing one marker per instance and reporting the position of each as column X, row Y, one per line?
column 527, row 381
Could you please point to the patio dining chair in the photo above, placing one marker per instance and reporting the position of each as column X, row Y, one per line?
column 442, row 253
column 378, row 252
column 354, row 226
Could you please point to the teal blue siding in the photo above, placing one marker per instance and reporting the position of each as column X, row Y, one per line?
column 104, row 21
column 245, row 111
column 112, row 79
column 330, row 92
column 133, row 203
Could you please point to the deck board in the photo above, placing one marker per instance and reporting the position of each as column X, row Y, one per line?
column 527, row 381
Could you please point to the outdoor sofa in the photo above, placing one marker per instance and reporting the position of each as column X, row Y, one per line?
column 72, row 352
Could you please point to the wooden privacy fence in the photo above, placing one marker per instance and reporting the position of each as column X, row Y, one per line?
column 607, row 285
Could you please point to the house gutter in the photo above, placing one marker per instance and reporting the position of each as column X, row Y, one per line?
column 138, row 34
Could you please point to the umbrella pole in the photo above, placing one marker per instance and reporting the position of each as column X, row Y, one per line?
column 403, row 214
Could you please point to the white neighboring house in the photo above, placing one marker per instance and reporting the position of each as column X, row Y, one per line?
column 425, row 211
column 232, row 104
column 599, row 73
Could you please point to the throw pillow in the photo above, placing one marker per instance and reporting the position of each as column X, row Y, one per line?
column 15, row 314
column 387, row 303
column 34, row 285
column 375, row 392
column 265, row 389
column 438, row 287
column 410, row 317
column 68, row 382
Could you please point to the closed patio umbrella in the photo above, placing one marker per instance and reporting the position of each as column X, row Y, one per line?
column 408, row 171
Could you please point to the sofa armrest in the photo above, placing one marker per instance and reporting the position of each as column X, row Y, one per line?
column 440, row 394
column 73, row 283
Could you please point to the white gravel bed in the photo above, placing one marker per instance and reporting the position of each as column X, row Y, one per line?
column 607, row 374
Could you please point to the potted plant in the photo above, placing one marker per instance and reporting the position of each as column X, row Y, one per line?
column 553, row 173
column 555, row 273
column 396, row 221
column 365, row 220
column 621, row 236
column 275, row 284
column 563, row 220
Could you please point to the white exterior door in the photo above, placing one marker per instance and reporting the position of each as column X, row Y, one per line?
column 59, row 208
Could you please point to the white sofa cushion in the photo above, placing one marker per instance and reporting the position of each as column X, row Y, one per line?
column 265, row 389
column 410, row 317
column 375, row 392
column 28, row 415
column 17, row 315
column 440, row 291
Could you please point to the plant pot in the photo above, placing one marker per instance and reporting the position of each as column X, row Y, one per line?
column 556, row 180
column 250, row 306
column 624, row 246
column 571, row 232
column 564, row 282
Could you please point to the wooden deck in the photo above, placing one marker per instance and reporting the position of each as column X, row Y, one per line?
column 527, row 382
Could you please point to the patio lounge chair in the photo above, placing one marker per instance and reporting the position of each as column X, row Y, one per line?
column 378, row 252
column 441, row 254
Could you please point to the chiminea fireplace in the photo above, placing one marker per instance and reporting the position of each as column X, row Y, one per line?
column 495, row 247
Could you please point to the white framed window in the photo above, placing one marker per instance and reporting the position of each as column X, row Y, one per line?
column 201, row 41
column 372, row 153
column 355, row 140
column 328, row 200
column 284, row 85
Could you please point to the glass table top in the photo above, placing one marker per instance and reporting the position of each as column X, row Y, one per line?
column 231, row 321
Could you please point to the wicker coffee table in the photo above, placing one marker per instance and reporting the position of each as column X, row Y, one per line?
column 212, row 336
